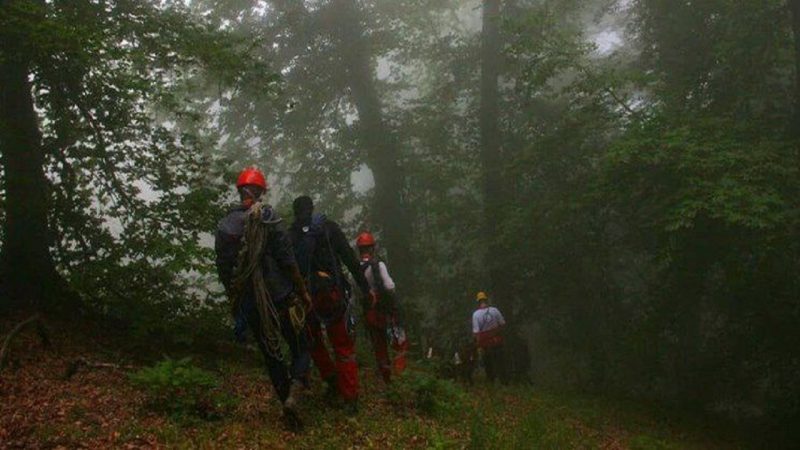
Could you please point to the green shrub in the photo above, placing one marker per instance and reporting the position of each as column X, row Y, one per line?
column 427, row 394
column 183, row 390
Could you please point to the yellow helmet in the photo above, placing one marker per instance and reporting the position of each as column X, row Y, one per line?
column 481, row 297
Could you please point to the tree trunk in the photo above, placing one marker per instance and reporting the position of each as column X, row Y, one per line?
column 29, row 275
column 794, row 6
column 383, row 151
column 490, row 142
column 342, row 19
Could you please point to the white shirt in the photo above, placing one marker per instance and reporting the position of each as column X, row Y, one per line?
column 485, row 319
column 388, row 283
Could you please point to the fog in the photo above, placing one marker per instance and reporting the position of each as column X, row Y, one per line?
column 620, row 176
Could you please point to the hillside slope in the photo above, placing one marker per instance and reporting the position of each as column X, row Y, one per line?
column 98, row 407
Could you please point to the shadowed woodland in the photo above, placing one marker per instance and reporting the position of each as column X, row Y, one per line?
column 622, row 177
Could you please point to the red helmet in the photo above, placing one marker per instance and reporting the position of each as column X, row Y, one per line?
column 365, row 239
column 251, row 176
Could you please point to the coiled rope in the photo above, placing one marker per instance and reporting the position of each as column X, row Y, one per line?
column 248, row 268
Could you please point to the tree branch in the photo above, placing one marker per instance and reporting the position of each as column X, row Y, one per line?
column 115, row 184
column 620, row 102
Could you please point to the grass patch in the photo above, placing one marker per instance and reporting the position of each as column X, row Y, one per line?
column 427, row 394
column 184, row 391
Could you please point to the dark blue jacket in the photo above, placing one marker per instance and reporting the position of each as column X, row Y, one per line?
column 322, row 246
column 278, row 257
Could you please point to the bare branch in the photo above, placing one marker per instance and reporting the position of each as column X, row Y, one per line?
column 620, row 102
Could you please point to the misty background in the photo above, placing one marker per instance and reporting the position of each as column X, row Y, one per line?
column 620, row 175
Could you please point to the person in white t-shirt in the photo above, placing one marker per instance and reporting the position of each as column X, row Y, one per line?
column 487, row 327
column 381, row 312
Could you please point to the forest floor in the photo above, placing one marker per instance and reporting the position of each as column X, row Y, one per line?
column 99, row 407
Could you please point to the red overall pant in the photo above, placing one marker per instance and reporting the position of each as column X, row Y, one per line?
column 377, row 322
column 329, row 304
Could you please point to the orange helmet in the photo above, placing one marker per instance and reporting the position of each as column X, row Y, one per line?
column 251, row 176
column 365, row 239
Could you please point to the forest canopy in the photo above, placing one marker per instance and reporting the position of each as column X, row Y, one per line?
column 622, row 175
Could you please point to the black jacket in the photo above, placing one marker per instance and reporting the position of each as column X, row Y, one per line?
column 278, row 257
column 321, row 246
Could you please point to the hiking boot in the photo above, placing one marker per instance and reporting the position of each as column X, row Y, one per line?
column 295, row 393
column 291, row 416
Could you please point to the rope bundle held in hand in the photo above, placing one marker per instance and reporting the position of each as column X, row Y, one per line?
column 249, row 269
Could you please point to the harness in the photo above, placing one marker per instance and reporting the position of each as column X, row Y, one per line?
column 485, row 319
column 385, row 303
column 319, row 281
column 489, row 338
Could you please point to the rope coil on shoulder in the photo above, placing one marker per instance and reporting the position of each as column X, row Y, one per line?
column 249, row 269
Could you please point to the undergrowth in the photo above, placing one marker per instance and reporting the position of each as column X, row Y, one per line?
column 426, row 394
column 184, row 391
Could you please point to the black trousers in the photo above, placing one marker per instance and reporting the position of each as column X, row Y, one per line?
column 493, row 363
column 300, row 359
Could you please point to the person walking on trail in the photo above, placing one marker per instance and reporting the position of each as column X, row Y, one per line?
column 487, row 327
column 321, row 249
column 257, row 267
column 382, row 316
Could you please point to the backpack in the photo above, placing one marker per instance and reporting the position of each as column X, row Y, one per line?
column 307, row 243
column 305, row 252
column 490, row 338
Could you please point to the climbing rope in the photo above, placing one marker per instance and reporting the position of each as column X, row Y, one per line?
column 248, row 268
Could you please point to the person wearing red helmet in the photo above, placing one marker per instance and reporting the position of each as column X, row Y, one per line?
column 251, row 185
column 257, row 267
column 381, row 312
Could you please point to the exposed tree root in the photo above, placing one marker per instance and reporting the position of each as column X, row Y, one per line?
column 40, row 330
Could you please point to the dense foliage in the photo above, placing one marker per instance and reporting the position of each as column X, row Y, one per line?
column 644, row 205
column 132, row 183
column 662, row 223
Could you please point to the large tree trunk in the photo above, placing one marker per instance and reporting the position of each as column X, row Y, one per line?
column 343, row 20
column 28, row 273
column 383, row 151
column 794, row 6
column 490, row 142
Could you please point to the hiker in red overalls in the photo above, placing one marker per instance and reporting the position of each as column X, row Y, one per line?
column 487, row 327
column 381, row 311
column 321, row 249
